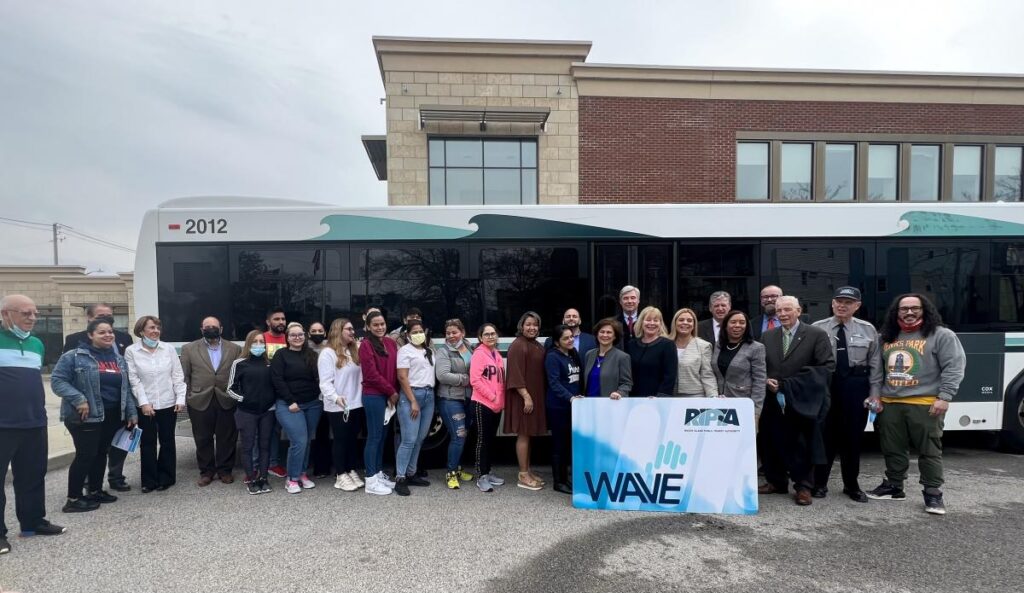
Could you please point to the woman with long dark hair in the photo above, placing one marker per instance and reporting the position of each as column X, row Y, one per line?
column 297, row 386
column 563, row 367
column 341, row 386
column 415, row 405
column 93, row 382
column 738, row 361
column 487, row 376
column 453, row 393
column 378, row 358
column 524, row 416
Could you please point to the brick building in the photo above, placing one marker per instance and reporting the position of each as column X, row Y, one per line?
column 505, row 121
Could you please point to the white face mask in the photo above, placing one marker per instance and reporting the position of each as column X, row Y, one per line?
column 417, row 339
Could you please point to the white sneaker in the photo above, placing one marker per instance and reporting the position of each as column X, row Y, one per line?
column 495, row 480
column 344, row 482
column 484, row 485
column 356, row 479
column 375, row 486
column 306, row 482
column 382, row 478
column 292, row 487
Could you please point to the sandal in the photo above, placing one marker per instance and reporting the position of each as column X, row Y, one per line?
column 537, row 478
column 526, row 481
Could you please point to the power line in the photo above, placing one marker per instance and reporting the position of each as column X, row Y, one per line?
column 39, row 224
column 57, row 227
column 96, row 240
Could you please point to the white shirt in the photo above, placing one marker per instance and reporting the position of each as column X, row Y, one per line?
column 335, row 383
column 156, row 377
column 421, row 371
column 715, row 328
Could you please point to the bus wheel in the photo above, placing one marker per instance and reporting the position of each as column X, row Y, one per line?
column 1012, row 437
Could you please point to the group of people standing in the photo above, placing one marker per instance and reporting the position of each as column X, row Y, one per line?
column 812, row 385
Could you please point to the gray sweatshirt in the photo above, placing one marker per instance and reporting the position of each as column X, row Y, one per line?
column 917, row 366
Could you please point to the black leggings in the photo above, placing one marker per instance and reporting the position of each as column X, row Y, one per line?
column 158, row 468
column 486, row 429
column 92, row 442
column 344, row 448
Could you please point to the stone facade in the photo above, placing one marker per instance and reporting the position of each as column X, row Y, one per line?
column 514, row 74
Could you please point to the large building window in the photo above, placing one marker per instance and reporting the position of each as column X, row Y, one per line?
column 796, row 173
column 752, row 171
column 966, row 174
column 924, row 173
column 479, row 171
column 883, row 164
column 1007, row 179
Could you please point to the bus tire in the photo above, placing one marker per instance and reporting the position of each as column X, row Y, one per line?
column 1012, row 437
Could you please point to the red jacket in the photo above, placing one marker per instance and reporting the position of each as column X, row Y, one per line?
column 380, row 373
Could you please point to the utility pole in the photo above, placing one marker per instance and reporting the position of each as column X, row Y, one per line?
column 55, row 256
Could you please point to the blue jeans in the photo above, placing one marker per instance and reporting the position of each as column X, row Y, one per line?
column 413, row 431
column 373, row 453
column 299, row 427
column 453, row 413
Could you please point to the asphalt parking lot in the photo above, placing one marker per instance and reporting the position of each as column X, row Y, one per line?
column 221, row 539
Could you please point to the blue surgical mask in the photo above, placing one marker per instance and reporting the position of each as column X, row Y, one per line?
column 19, row 333
column 148, row 343
column 257, row 350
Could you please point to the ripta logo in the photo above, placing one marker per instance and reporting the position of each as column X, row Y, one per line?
column 634, row 485
column 711, row 417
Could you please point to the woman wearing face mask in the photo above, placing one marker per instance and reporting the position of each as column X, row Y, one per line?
column 606, row 371
column 158, row 384
column 487, row 377
column 378, row 358
column 320, row 448
column 453, row 393
column 250, row 384
column 524, row 414
column 563, row 367
column 654, row 361
column 415, row 405
column 293, row 372
column 93, row 382
column 738, row 362
column 694, row 377
column 341, row 387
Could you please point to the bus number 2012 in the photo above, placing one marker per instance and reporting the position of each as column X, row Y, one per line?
column 206, row 226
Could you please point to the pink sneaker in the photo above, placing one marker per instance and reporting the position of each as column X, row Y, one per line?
column 306, row 482
column 293, row 487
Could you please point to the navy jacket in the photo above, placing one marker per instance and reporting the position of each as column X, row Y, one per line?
column 563, row 373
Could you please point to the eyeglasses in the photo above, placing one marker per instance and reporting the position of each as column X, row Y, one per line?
column 770, row 297
column 29, row 314
column 489, row 335
column 911, row 309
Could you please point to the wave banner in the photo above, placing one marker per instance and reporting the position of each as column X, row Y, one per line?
column 683, row 455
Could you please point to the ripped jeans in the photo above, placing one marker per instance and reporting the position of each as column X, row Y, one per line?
column 457, row 422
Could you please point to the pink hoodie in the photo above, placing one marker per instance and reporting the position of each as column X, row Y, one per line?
column 487, row 376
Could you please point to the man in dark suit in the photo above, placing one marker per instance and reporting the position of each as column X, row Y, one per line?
column 629, row 309
column 787, row 441
column 207, row 366
column 582, row 341
column 720, row 303
column 768, row 319
column 116, row 457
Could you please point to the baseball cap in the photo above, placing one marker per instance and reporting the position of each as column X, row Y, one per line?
column 847, row 292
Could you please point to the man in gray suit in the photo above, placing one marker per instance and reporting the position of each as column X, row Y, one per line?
column 789, row 441
column 720, row 303
column 207, row 365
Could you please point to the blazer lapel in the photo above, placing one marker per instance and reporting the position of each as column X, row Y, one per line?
column 204, row 353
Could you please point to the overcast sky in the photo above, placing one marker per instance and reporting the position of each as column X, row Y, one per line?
column 109, row 107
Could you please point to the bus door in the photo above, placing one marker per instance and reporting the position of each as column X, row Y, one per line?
column 813, row 270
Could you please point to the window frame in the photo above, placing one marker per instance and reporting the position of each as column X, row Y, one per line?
column 445, row 167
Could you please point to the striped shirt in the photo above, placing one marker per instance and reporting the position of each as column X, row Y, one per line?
column 22, row 399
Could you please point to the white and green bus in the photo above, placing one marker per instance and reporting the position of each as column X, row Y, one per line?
column 237, row 257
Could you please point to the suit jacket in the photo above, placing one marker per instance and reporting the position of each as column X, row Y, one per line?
column 616, row 372
column 810, row 347
column 626, row 336
column 122, row 340
column 745, row 376
column 587, row 343
column 706, row 332
column 757, row 322
column 205, row 382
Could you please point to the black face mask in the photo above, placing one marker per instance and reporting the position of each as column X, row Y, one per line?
column 211, row 333
column 105, row 319
column 317, row 338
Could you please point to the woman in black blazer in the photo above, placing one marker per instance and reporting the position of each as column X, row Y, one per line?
column 606, row 371
column 654, row 361
column 738, row 361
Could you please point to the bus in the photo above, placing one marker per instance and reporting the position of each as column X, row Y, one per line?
column 235, row 258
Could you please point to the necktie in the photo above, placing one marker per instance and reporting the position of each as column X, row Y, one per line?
column 787, row 338
column 629, row 325
column 842, row 358
column 771, row 323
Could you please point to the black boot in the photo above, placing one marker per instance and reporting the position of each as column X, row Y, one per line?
column 558, row 474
